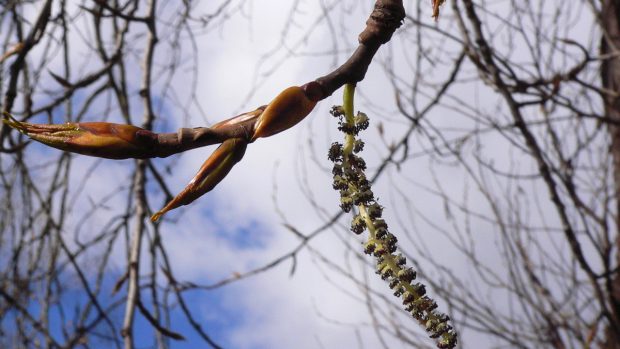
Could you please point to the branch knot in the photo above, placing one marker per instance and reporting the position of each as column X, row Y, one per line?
column 386, row 17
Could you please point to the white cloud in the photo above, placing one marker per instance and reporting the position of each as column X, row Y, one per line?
column 236, row 228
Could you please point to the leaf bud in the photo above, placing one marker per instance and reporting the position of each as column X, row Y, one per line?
column 212, row 171
column 100, row 139
column 285, row 110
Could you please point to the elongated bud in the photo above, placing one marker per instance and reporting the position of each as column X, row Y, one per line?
column 100, row 139
column 210, row 174
column 240, row 119
column 287, row 109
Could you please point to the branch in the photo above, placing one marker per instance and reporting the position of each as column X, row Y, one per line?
column 115, row 141
column 386, row 17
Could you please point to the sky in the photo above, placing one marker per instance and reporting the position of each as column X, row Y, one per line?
column 236, row 227
column 243, row 63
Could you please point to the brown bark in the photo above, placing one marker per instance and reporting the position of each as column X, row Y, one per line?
column 610, row 77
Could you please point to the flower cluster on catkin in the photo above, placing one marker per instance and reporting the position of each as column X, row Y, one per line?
column 356, row 196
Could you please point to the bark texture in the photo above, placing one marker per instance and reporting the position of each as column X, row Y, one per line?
column 610, row 77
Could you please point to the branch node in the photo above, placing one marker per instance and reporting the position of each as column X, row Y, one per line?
column 386, row 17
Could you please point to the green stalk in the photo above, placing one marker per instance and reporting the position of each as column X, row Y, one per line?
column 349, row 139
column 355, row 191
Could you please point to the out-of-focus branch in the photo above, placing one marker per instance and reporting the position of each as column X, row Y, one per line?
column 610, row 77
column 35, row 35
column 133, row 263
column 482, row 55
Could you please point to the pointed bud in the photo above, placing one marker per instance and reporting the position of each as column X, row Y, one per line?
column 100, row 139
column 241, row 119
column 285, row 111
column 210, row 174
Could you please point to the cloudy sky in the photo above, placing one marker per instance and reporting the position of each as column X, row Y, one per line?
column 244, row 58
column 243, row 63
column 240, row 225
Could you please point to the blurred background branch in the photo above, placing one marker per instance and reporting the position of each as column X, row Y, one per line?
column 493, row 141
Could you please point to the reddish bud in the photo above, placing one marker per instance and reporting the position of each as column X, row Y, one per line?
column 240, row 119
column 100, row 139
column 210, row 174
column 285, row 111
